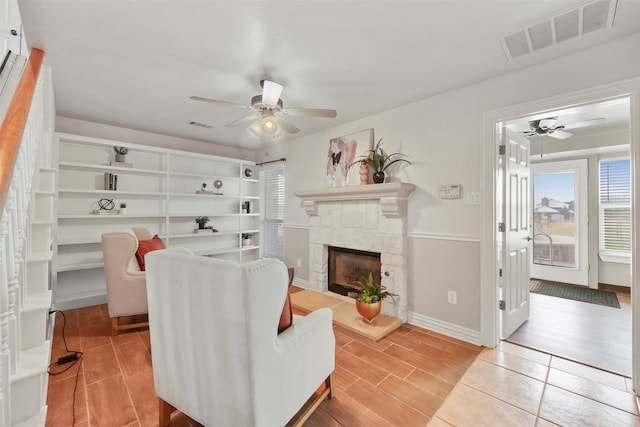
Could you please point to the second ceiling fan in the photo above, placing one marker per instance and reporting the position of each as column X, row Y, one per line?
column 267, row 113
column 549, row 126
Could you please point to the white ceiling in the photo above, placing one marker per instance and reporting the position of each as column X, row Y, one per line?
column 135, row 63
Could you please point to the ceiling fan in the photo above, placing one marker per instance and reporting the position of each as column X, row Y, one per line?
column 550, row 127
column 268, row 115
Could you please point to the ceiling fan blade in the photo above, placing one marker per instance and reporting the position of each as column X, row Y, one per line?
column 216, row 101
column 547, row 123
column 240, row 121
column 584, row 123
column 270, row 92
column 311, row 112
column 559, row 134
column 286, row 125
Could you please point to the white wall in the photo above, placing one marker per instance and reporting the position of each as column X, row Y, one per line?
column 443, row 135
column 99, row 130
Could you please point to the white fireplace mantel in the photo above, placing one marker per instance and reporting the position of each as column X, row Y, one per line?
column 392, row 196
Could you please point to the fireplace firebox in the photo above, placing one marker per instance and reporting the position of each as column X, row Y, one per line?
column 347, row 266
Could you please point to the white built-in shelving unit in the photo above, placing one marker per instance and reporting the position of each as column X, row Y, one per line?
column 159, row 187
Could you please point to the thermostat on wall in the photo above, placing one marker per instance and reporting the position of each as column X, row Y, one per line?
column 451, row 191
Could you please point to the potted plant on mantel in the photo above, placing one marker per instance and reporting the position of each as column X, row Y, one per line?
column 369, row 299
column 379, row 160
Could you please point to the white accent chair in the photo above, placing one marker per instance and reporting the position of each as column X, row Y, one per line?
column 126, row 284
column 216, row 353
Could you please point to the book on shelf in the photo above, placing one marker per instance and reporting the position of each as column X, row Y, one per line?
column 110, row 181
column 205, row 230
column 105, row 212
column 121, row 164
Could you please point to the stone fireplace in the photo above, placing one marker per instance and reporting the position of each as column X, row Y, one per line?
column 368, row 218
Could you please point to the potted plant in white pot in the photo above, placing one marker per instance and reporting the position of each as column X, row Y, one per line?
column 246, row 239
column 379, row 161
column 123, row 209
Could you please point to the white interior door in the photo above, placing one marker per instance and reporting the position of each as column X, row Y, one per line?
column 517, row 236
column 560, row 222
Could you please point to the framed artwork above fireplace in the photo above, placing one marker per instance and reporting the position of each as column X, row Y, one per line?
column 343, row 151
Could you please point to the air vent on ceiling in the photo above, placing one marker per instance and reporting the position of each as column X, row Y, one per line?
column 198, row 124
column 589, row 17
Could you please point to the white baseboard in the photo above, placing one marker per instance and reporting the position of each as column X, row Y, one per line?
column 445, row 328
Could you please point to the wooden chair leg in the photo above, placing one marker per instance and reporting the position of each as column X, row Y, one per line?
column 165, row 413
column 114, row 326
column 328, row 383
column 307, row 409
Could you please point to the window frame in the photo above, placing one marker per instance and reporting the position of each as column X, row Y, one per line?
column 618, row 256
column 266, row 220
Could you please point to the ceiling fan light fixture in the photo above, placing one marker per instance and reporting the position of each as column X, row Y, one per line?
column 547, row 123
column 269, row 126
column 255, row 129
column 266, row 125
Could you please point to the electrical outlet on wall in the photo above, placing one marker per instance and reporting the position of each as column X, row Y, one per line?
column 299, row 263
column 452, row 297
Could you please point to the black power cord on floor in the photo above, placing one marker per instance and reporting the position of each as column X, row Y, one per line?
column 74, row 357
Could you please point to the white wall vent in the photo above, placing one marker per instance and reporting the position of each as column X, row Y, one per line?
column 592, row 16
column 198, row 124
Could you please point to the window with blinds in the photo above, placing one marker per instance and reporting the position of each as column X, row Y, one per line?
column 615, row 206
column 273, row 212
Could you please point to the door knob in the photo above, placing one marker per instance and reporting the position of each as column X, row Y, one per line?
column 528, row 238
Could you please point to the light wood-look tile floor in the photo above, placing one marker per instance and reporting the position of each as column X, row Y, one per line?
column 410, row 378
column 592, row 334
column 516, row 386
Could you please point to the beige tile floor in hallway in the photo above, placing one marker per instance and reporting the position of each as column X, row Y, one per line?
column 517, row 386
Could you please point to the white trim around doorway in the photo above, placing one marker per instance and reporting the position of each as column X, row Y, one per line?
column 489, row 312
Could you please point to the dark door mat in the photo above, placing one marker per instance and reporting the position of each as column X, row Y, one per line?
column 574, row 292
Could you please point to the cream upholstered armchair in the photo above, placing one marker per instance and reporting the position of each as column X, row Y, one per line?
column 216, row 352
column 126, row 283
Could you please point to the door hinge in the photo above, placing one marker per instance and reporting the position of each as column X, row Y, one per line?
column 501, row 305
column 501, row 227
column 502, row 149
column 500, row 272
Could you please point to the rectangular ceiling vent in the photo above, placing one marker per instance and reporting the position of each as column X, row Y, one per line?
column 592, row 16
column 198, row 124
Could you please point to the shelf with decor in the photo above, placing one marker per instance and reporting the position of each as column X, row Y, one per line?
column 105, row 185
column 100, row 167
column 111, row 192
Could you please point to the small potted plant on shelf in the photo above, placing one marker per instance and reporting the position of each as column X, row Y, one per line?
column 246, row 207
column 379, row 160
column 246, row 239
column 120, row 153
column 123, row 209
column 369, row 299
column 202, row 221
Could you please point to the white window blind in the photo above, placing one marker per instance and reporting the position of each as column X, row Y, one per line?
column 273, row 213
column 615, row 206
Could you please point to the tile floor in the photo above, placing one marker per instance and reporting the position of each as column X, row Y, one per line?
column 516, row 386
column 413, row 377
